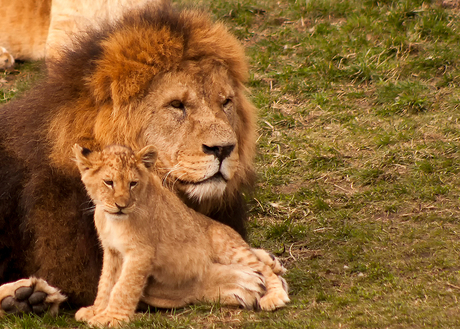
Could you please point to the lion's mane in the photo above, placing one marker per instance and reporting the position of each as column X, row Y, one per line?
column 90, row 96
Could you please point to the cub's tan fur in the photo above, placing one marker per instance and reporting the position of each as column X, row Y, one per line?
column 149, row 235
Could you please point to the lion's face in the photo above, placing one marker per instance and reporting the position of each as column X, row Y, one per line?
column 193, row 122
column 178, row 86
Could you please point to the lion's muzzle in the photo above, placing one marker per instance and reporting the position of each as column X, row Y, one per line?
column 220, row 152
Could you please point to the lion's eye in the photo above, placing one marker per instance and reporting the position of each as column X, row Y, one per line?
column 109, row 183
column 177, row 104
column 132, row 184
column 227, row 102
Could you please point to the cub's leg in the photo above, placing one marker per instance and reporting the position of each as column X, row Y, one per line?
column 159, row 295
column 276, row 295
column 231, row 285
column 277, row 289
column 29, row 295
column 111, row 268
column 125, row 294
column 270, row 260
column 273, row 262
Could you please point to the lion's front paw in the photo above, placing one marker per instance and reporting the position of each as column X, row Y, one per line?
column 274, row 299
column 85, row 313
column 106, row 319
column 29, row 295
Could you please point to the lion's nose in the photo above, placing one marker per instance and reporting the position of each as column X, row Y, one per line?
column 220, row 152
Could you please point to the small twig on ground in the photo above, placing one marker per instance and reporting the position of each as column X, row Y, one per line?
column 290, row 253
column 452, row 285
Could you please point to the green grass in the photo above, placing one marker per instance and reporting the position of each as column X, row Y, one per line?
column 15, row 81
column 359, row 162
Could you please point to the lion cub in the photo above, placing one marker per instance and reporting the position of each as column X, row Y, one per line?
column 158, row 250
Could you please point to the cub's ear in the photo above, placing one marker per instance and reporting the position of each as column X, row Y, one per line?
column 148, row 156
column 81, row 157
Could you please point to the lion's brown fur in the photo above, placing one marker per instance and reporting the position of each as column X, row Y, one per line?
column 94, row 96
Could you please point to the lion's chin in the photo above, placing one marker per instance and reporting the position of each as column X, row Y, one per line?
column 209, row 189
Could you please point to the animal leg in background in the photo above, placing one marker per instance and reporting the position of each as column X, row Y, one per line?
column 6, row 59
column 232, row 285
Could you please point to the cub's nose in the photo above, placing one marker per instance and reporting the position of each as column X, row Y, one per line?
column 219, row 151
column 120, row 205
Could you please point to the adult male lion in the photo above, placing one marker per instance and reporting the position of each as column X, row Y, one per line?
column 158, row 76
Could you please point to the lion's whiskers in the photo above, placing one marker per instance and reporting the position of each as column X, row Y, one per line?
column 175, row 181
column 176, row 167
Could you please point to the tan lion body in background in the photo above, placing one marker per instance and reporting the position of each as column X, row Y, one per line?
column 33, row 29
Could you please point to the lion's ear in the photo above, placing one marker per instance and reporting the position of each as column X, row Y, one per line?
column 148, row 156
column 81, row 157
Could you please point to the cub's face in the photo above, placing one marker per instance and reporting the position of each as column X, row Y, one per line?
column 193, row 122
column 115, row 178
column 116, row 189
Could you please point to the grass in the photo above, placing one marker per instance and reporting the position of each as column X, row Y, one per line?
column 358, row 163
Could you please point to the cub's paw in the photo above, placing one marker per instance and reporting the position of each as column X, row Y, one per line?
column 84, row 314
column 106, row 319
column 246, row 290
column 269, row 260
column 274, row 299
column 29, row 295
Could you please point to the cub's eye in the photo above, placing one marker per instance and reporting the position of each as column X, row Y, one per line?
column 177, row 104
column 109, row 183
column 132, row 184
